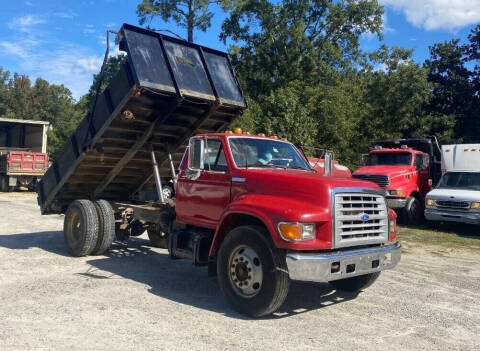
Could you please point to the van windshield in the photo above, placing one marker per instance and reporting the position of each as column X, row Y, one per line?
column 393, row 159
column 460, row 180
column 256, row 152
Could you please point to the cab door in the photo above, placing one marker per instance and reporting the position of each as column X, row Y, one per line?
column 203, row 191
column 422, row 168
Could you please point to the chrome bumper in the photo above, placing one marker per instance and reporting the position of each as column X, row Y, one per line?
column 452, row 216
column 396, row 202
column 325, row 267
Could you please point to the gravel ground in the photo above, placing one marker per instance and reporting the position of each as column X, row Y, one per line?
column 135, row 298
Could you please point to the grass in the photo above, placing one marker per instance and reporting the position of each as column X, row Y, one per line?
column 451, row 235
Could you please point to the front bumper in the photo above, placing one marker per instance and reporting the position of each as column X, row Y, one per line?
column 322, row 267
column 452, row 216
column 396, row 202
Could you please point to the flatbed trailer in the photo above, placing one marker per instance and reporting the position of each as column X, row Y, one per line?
column 167, row 91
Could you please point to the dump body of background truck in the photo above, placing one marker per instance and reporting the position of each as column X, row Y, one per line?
column 407, row 169
column 248, row 207
column 457, row 195
column 23, row 153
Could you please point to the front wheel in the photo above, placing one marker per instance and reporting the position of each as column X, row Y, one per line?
column 355, row 284
column 413, row 211
column 251, row 272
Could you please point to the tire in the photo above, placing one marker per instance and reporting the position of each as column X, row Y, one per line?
column 413, row 212
column 259, row 266
column 157, row 238
column 4, row 184
column 80, row 227
column 355, row 284
column 106, row 227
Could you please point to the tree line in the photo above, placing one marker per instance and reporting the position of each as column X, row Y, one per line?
column 305, row 76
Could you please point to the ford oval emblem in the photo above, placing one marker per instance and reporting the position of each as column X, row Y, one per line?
column 365, row 217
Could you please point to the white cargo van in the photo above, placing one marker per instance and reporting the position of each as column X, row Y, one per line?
column 457, row 196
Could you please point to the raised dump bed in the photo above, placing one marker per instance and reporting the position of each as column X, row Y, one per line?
column 167, row 91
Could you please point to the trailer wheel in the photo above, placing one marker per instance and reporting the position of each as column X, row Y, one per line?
column 106, row 227
column 251, row 272
column 80, row 227
column 355, row 284
column 157, row 238
column 413, row 211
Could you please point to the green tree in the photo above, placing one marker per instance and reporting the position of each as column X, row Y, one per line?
column 189, row 14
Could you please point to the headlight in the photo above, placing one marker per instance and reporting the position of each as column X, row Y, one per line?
column 296, row 231
column 398, row 192
column 431, row 202
column 475, row 205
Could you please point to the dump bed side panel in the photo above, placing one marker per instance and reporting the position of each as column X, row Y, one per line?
column 167, row 91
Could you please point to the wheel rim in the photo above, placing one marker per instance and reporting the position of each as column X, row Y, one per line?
column 75, row 228
column 167, row 193
column 246, row 273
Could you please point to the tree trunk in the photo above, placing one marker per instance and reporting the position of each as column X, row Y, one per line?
column 190, row 20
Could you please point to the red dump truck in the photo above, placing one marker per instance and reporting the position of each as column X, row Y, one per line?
column 407, row 169
column 23, row 153
column 249, row 207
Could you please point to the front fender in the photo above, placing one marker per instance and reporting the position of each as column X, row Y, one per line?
column 271, row 210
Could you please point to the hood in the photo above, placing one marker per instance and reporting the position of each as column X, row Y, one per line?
column 289, row 182
column 390, row 171
column 454, row 194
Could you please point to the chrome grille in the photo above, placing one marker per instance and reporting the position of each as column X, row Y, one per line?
column 381, row 180
column 360, row 219
column 453, row 204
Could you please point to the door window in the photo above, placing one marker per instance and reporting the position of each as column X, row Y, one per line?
column 207, row 154
column 215, row 156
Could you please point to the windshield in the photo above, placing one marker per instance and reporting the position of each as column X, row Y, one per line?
column 460, row 180
column 384, row 159
column 253, row 152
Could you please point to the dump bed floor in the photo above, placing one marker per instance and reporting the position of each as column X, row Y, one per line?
column 167, row 91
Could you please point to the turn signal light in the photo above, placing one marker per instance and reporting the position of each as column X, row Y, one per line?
column 296, row 231
column 475, row 205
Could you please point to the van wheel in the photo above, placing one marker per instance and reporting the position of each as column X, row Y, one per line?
column 251, row 272
column 80, row 227
column 355, row 284
column 106, row 228
column 413, row 211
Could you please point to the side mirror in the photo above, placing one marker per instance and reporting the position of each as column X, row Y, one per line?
column 197, row 153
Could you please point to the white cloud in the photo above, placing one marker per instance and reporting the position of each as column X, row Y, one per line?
column 25, row 23
column 438, row 14
column 69, row 64
column 67, row 15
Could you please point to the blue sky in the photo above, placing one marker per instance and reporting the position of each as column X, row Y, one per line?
column 63, row 41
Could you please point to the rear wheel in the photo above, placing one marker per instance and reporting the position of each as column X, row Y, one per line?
column 4, row 184
column 355, row 284
column 106, row 228
column 80, row 227
column 251, row 272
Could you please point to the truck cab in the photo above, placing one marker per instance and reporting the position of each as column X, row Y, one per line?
column 406, row 169
column 456, row 198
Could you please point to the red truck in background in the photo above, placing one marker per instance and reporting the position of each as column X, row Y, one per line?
column 23, row 153
column 406, row 169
